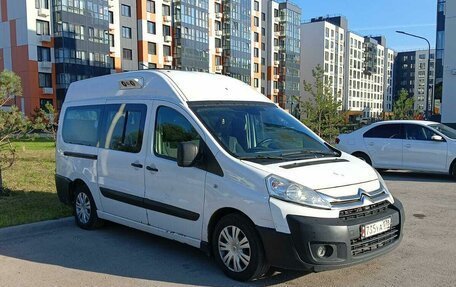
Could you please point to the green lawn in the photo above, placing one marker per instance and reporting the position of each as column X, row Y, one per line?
column 31, row 182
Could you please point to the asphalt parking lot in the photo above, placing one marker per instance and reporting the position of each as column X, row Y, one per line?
column 60, row 254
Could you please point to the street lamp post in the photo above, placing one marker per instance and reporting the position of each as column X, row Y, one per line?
column 428, row 68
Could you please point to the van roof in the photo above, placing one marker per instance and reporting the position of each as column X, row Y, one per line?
column 171, row 85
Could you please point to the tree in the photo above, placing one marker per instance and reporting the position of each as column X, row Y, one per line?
column 45, row 120
column 321, row 112
column 403, row 107
column 12, row 121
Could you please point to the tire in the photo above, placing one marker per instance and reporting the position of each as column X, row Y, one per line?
column 453, row 170
column 85, row 210
column 231, row 233
column 364, row 157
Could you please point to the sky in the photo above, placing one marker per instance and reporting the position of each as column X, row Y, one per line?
column 381, row 17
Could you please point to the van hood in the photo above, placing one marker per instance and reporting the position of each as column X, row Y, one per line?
column 323, row 173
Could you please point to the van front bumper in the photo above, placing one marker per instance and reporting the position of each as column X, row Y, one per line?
column 341, row 238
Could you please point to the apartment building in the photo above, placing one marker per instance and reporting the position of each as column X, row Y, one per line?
column 449, row 66
column 257, row 42
column 439, row 51
column 323, row 43
column 358, row 68
column 411, row 72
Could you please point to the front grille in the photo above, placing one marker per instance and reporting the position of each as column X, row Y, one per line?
column 364, row 211
column 363, row 246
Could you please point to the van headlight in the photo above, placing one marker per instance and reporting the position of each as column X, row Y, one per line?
column 293, row 192
column 383, row 186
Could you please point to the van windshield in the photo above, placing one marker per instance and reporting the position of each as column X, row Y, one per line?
column 260, row 131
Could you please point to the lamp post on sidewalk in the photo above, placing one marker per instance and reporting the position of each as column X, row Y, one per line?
column 427, row 113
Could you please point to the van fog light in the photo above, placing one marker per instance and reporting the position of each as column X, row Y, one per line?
column 324, row 251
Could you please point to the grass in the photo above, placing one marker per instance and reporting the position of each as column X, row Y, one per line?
column 31, row 182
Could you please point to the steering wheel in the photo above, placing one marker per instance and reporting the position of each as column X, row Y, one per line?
column 266, row 142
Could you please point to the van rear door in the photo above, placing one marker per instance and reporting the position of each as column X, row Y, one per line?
column 121, row 160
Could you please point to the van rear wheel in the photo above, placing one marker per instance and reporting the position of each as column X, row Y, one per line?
column 85, row 210
column 237, row 248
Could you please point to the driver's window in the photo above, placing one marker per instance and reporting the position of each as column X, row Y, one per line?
column 171, row 128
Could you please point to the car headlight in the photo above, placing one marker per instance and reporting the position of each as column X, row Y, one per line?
column 290, row 191
column 383, row 185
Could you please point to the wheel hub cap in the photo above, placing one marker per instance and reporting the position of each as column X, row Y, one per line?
column 234, row 248
column 83, row 208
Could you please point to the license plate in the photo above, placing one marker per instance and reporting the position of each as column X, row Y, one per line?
column 375, row 228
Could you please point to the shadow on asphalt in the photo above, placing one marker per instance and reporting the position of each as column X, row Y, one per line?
column 122, row 251
column 416, row 177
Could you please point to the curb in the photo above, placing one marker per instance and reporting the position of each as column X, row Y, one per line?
column 8, row 233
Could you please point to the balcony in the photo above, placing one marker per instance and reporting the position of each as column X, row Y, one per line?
column 168, row 60
column 276, row 77
column 166, row 1
column 42, row 12
column 283, row 33
column 168, row 39
column 277, row 19
column 44, row 66
column 256, row 44
column 112, row 49
column 48, row 91
column 218, row 33
column 277, row 34
column 276, row 63
column 166, row 19
column 218, row 68
column 218, row 50
column 218, row 15
column 44, row 38
column 218, row 1
column 276, row 48
column 275, row 91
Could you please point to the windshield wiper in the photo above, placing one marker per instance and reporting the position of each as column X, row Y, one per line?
column 308, row 152
column 260, row 156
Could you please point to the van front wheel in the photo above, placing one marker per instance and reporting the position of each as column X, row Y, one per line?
column 85, row 211
column 237, row 248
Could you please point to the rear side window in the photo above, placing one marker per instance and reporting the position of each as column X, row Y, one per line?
column 171, row 129
column 81, row 125
column 124, row 127
column 388, row 131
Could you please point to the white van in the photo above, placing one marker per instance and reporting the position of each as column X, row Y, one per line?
column 206, row 160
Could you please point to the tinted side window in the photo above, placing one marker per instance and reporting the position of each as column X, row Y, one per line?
column 388, row 131
column 124, row 127
column 171, row 128
column 417, row 132
column 81, row 125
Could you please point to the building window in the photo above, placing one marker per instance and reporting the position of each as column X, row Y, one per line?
column 111, row 17
column 44, row 102
column 45, row 80
column 255, row 82
column 256, row 21
column 166, row 10
column 256, row 52
column 44, row 54
column 111, row 40
column 150, row 6
column 152, row 65
column 42, row 4
column 127, row 54
column 42, row 27
column 126, row 32
column 263, row 16
column 256, row 37
column 256, row 5
column 125, row 10
column 166, row 50
column 166, row 30
column 256, row 67
column 152, row 48
column 151, row 27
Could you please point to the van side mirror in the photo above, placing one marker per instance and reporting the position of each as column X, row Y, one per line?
column 437, row 138
column 187, row 152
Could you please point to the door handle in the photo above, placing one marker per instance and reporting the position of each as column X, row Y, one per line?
column 408, row 145
column 151, row 168
column 137, row 165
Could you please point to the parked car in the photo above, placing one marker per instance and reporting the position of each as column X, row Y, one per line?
column 410, row 145
column 208, row 161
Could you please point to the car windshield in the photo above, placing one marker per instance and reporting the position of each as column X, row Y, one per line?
column 259, row 131
column 444, row 129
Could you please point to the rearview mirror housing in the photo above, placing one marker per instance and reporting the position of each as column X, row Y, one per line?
column 437, row 138
column 187, row 152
